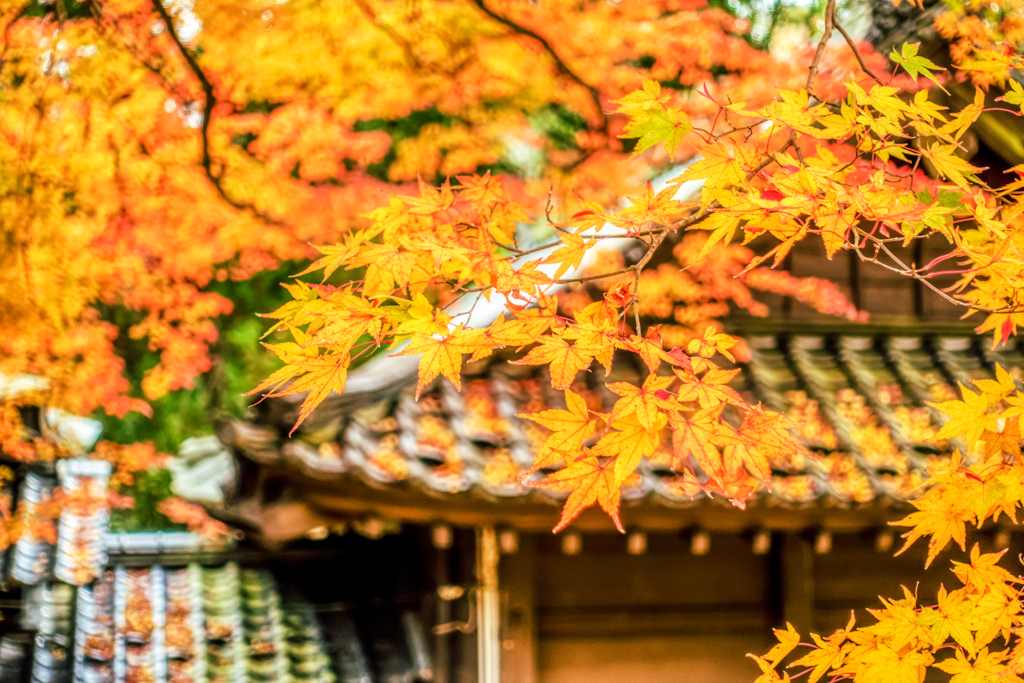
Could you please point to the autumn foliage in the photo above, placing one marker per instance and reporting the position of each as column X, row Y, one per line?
column 859, row 158
column 153, row 149
column 146, row 157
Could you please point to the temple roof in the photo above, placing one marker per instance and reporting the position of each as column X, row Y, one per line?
column 208, row 623
column 858, row 397
column 169, row 607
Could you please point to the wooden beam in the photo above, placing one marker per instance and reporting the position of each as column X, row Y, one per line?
column 797, row 582
column 488, row 608
column 517, row 576
column 443, row 614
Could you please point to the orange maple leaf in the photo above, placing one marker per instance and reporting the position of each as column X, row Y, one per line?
column 628, row 442
column 710, row 389
column 431, row 200
column 1006, row 440
column 440, row 357
column 321, row 376
column 644, row 401
column 569, row 429
column 768, row 431
column 651, row 351
column 591, row 480
column 695, row 436
column 571, row 254
column 565, row 360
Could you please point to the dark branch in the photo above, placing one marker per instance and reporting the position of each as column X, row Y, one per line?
column 209, row 101
column 595, row 94
column 812, row 74
column 856, row 52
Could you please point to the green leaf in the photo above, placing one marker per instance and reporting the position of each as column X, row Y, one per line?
column 914, row 64
column 666, row 126
column 1014, row 96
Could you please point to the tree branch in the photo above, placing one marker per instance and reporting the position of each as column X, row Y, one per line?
column 812, row 75
column 209, row 101
column 856, row 52
column 901, row 268
column 595, row 94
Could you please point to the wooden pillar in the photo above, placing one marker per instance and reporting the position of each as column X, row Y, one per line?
column 442, row 542
column 518, row 577
column 797, row 582
column 487, row 601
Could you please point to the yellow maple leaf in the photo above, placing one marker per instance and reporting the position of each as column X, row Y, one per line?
column 565, row 360
column 569, row 429
column 439, row 357
column 591, row 480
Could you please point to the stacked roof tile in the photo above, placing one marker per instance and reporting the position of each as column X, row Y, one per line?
column 859, row 401
column 214, row 624
column 91, row 619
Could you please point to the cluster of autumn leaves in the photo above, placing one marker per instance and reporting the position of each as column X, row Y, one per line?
column 145, row 161
column 971, row 632
column 838, row 161
column 803, row 166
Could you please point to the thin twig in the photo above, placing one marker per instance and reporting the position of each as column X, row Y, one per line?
column 856, row 52
column 601, row 276
column 914, row 273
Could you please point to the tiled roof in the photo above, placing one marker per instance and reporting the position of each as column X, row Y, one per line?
column 151, row 613
column 74, row 551
column 219, row 624
column 858, row 398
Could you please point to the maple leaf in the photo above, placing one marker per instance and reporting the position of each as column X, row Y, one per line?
column 915, row 64
column 591, row 480
column 335, row 256
column 718, row 167
column 482, row 191
column 946, row 162
column 1006, row 440
column 420, row 316
column 644, row 402
column 627, row 443
column 788, row 639
column 571, row 254
column 344, row 323
column 667, row 126
column 647, row 97
column 569, row 429
column 696, row 436
column 709, row 389
column 769, row 432
column 430, row 200
column 983, row 572
column 660, row 207
column 439, row 357
column 595, row 331
column 651, row 350
column 986, row 666
column 723, row 228
column 941, row 515
column 827, row 654
column 565, row 360
column 746, row 457
column 317, row 374
column 538, row 319
column 969, row 418
column 710, row 343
